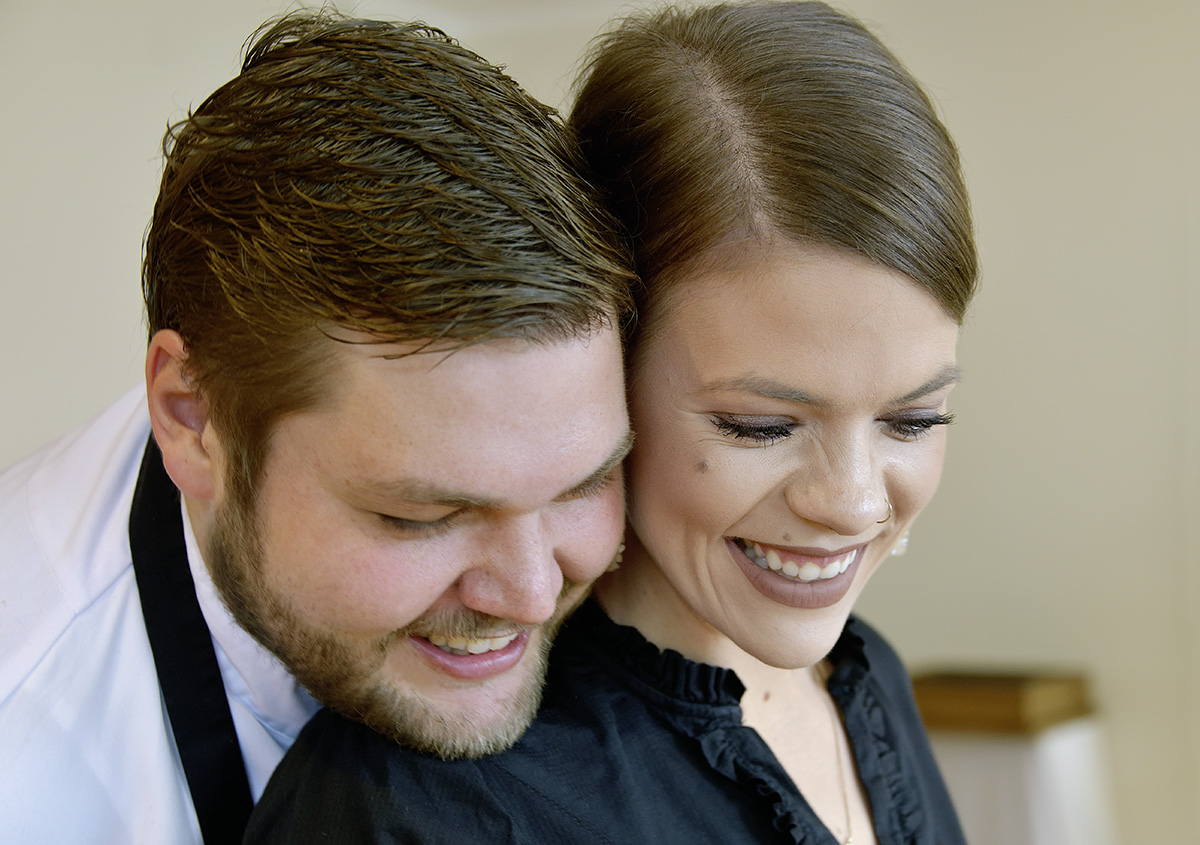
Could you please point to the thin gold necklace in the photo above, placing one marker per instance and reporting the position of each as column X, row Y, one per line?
column 835, row 722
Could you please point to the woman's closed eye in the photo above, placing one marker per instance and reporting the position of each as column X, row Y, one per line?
column 916, row 426
column 763, row 431
column 760, row 431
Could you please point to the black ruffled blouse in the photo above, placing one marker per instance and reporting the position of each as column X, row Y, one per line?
column 633, row 746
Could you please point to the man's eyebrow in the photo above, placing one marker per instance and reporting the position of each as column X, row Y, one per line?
column 601, row 472
column 421, row 493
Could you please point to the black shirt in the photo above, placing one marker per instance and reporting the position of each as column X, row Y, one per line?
column 632, row 746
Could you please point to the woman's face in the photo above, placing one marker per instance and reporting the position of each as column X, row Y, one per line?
column 790, row 410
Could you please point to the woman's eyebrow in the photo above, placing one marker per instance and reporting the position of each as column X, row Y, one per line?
column 771, row 389
column 765, row 387
column 950, row 374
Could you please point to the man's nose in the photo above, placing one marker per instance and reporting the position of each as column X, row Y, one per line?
column 517, row 577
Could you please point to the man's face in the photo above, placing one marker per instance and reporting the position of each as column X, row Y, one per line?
column 416, row 540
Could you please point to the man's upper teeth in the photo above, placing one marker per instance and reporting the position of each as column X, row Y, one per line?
column 810, row 571
column 471, row 645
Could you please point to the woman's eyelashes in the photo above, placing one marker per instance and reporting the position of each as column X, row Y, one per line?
column 913, row 427
column 765, row 431
column 759, row 432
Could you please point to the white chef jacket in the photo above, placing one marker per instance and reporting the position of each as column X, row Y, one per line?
column 86, row 752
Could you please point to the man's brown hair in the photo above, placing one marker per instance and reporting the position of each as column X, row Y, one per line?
column 369, row 176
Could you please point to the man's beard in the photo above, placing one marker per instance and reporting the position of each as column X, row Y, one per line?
column 348, row 675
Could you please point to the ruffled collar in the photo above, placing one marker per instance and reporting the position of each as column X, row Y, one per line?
column 655, row 672
column 708, row 700
column 850, row 663
column 669, row 674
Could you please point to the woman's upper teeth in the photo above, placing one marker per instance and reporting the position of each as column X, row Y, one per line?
column 809, row 571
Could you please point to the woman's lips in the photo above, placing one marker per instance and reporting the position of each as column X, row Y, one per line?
column 797, row 580
column 805, row 568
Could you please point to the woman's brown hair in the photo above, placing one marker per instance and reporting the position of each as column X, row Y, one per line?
column 767, row 117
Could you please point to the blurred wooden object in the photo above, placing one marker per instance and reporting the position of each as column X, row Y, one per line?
column 1023, row 757
column 1000, row 702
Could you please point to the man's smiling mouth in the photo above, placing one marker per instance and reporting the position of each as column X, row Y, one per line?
column 471, row 645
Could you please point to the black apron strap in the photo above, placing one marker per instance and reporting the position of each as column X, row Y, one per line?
column 184, row 657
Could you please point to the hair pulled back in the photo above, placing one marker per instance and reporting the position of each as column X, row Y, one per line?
column 771, row 117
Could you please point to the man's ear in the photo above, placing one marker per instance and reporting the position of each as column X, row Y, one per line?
column 179, row 417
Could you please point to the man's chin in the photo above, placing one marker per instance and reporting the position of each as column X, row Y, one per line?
column 386, row 684
column 444, row 714
column 395, row 691
column 453, row 730
column 466, row 740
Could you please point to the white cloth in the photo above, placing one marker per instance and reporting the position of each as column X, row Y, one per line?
column 86, row 754
column 1047, row 789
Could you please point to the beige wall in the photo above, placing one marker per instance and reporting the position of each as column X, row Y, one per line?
column 1067, row 531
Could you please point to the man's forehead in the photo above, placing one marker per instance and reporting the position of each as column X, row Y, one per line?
column 426, row 426
column 442, row 360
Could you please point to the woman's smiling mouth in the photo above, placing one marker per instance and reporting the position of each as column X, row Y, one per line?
column 795, row 567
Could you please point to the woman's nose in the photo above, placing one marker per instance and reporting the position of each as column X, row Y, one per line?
column 842, row 490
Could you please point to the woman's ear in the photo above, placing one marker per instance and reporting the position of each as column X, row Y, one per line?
column 179, row 417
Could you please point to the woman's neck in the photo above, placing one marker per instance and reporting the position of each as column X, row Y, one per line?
column 789, row 708
column 638, row 595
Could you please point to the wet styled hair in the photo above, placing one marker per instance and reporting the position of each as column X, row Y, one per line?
column 372, row 176
column 771, row 117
